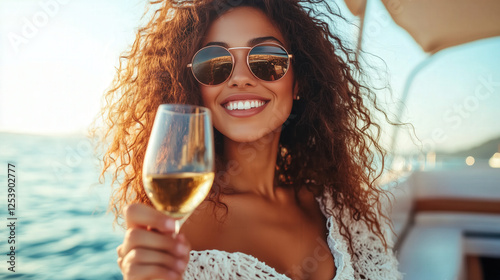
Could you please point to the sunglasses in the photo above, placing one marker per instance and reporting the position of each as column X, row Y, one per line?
column 213, row 65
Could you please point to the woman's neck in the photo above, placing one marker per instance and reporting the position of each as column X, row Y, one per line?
column 250, row 167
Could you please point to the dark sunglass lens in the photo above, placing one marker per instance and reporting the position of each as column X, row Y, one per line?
column 212, row 65
column 268, row 63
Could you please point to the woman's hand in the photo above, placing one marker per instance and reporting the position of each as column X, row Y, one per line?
column 149, row 250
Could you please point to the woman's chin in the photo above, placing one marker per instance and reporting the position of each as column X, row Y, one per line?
column 263, row 136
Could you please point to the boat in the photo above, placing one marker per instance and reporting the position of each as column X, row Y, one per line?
column 445, row 207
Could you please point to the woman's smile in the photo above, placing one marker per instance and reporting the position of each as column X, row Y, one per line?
column 244, row 105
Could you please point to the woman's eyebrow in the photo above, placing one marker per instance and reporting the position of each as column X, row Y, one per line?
column 259, row 40
column 217, row 44
column 250, row 43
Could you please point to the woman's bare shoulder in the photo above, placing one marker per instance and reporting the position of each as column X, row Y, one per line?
column 210, row 224
column 201, row 228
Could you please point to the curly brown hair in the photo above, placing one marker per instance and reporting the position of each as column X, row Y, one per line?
column 330, row 142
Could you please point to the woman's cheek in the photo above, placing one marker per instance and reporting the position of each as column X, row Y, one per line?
column 209, row 98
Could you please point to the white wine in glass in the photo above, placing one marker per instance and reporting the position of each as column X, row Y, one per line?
column 178, row 169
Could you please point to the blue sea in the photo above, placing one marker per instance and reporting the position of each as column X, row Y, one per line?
column 63, row 229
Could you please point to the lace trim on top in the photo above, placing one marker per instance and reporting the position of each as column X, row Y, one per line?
column 370, row 261
column 221, row 265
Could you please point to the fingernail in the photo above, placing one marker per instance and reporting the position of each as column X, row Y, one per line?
column 182, row 249
column 180, row 265
column 170, row 224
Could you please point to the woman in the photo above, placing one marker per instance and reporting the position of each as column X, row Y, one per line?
column 294, row 194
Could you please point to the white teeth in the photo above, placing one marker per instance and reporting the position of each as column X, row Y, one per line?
column 243, row 105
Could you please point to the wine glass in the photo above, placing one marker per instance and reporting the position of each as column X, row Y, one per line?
column 178, row 169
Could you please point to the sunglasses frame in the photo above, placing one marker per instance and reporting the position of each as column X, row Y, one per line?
column 289, row 57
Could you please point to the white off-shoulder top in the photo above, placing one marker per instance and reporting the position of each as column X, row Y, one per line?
column 371, row 261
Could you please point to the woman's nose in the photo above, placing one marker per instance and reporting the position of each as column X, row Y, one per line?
column 241, row 76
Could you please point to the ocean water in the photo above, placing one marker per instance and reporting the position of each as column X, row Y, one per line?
column 63, row 229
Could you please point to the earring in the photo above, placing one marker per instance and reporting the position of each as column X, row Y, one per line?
column 297, row 97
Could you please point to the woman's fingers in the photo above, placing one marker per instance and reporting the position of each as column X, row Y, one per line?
column 143, row 262
column 134, row 271
column 142, row 238
column 119, row 250
column 149, row 249
column 144, row 216
column 150, row 257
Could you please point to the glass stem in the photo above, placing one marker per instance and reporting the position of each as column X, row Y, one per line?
column 177, row 227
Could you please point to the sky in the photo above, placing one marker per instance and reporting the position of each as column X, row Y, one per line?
column 57, row 57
